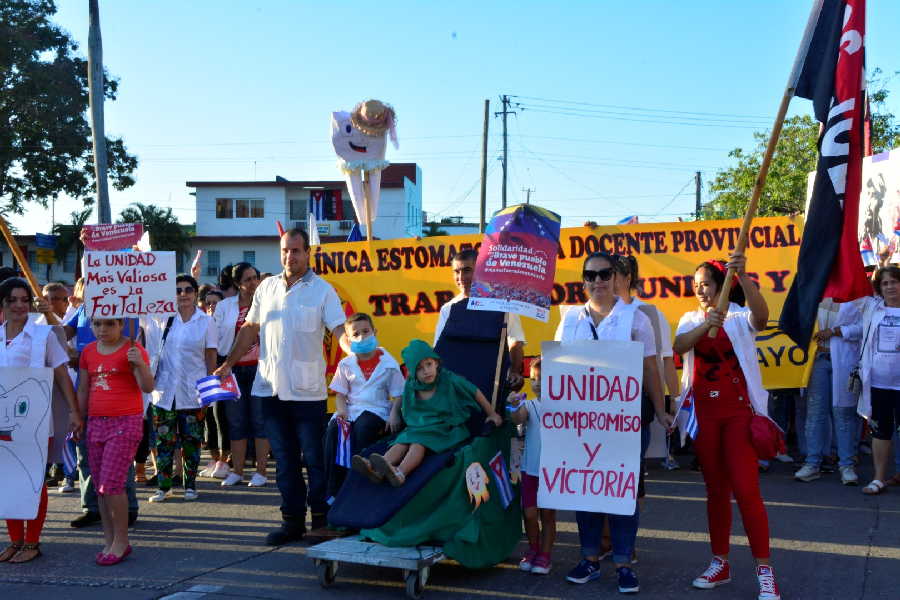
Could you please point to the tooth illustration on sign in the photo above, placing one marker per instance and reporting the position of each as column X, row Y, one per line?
column 24, row 411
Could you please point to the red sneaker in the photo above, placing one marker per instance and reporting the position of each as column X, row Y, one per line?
column 717, row 573
column 527, row 562
column 541, row 564
column 768, row 587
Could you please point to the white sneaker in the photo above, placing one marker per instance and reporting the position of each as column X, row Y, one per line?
column 208, row 469
column 232, row 479
column 258, row 480
column 66, row 487
column 785, row 458
column 221, row 471
column 160, row 496
column 768, row 587
column 848, row 475
column 807, row 473
column 190, row 494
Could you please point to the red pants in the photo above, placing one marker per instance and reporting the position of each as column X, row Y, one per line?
column 18, row 532
column 729, row 466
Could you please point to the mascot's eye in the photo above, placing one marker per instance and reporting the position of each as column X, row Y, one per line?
column 22, row 408
column 349, row 128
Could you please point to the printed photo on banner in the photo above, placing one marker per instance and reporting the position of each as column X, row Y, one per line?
column 112, row 236
column 129, row 284
column 590, row 413
column 517, row 262
column 24, row 430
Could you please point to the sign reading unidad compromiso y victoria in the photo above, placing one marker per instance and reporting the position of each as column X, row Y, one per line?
column 129, row 284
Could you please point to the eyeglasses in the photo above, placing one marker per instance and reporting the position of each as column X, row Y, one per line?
column 183, row 290
column 603, row 274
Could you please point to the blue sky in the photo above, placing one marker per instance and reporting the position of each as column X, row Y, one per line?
column 619, row 102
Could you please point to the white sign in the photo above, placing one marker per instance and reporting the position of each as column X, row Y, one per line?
column 590, row 425
column 129, row 284
column 24, row 434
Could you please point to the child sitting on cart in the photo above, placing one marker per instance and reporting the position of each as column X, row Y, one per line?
column 436, row 406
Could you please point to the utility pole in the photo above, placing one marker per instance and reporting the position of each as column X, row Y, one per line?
column 505, row 101
column 95, row 96
column 484, row 149
column 699, row 186
column 527, row 194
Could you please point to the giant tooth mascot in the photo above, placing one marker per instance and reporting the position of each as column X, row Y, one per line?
column 359, row 141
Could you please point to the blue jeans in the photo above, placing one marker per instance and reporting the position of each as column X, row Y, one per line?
column 294, row 428
column 622, row 528
column 821, row 414
column 86, row 483
column 245, row 415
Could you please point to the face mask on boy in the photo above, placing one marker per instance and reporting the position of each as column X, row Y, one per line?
column 364, row 346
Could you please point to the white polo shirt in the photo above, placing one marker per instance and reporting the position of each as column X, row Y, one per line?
column 183, row 361
column 514, row 332
column 292, row 323
column 373, row 394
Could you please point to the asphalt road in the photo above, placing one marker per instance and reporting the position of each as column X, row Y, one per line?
column 828, row 541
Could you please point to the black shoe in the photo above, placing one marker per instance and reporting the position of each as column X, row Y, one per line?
column 85, row 520
column 318, row 521
column 153, row 481
column 132, row 518
column 290, row 531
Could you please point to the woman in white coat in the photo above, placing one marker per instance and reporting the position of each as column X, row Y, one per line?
column 880, row 370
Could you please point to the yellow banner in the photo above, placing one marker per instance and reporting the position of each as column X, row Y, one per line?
column 403, row 283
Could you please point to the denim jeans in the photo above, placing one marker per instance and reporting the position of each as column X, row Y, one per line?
column 294, row 428
column 367, row 429
column 86, row 483
column 821, row 413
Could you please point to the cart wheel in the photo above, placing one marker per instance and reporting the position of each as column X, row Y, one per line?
column 327, row 571
column 415, row 583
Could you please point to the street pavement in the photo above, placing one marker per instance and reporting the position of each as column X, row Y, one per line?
column 828, row 541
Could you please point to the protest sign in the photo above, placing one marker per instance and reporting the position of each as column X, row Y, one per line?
column 402, row 283
column 24, row 430
column 590, row 425
column 517, row 262
column 129, row 284
column 112, row 236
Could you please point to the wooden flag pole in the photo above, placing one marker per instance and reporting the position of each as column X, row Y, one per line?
column 367, row 205
column 23, row 264
column 499, row 369
column 760, row 183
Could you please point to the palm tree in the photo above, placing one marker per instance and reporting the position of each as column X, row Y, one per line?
column 166, row 233
column 70, row 237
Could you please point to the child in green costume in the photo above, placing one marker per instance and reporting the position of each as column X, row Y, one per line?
column 436, row 406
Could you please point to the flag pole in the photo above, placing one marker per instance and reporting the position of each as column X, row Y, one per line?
column 760, row 182
column 26, row 270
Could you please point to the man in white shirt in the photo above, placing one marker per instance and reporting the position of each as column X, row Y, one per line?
column 463, row 265
column 290, row 314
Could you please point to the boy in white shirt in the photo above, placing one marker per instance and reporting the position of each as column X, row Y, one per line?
column 368, row 384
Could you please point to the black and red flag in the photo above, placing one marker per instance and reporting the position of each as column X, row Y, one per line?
column 833, row 77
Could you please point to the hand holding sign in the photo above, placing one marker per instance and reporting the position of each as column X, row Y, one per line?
column 134, row 355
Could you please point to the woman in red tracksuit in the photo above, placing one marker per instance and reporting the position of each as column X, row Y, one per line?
column 721, row 376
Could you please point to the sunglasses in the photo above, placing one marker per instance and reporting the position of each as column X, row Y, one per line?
column 603, row 274
column 183, row 290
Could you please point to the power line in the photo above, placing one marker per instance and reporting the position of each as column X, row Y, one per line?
column 635, row 108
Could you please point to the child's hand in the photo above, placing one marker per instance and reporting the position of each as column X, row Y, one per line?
column 394, row 424
column 514, row 401
column 495, row 419
column 76, row 425
column 341, row 413
column 134, row 355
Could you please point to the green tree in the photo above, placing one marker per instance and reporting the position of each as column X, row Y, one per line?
column 434, row 229
column 70, row 235
column 166, row 233
column 45, row 139
column 795, row 157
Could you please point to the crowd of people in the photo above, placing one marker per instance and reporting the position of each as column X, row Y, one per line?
column 127, row 388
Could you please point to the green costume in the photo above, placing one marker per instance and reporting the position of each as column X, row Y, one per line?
column 438, row 423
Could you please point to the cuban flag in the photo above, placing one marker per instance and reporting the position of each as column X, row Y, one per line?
column 68, row 456
column 344, row 451
column 831, row 72
column 867, row 254
column 897, row 226
column 686, row 419
column 632, row 220
column 355, row 234
column 500, row 475
column 212, row 389
column 317, row 203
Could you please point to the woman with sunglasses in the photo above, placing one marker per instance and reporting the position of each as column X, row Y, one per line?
column 721, row 376
column 607, row 317
column 187, row 353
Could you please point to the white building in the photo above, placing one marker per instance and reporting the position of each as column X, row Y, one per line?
column 236, row 219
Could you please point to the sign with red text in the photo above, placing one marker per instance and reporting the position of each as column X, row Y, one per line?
column 129, row 284
column 590, row 425
column 112, row 236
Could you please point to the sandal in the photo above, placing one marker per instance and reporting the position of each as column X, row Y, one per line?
column 364, row 467
column 875, row 487
column 23, row 556
column 10, row 551
column 394, row 475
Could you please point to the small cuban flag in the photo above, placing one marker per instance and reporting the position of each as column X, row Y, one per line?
column 344, row 451
column 897, row 226
column 212, row 389
column 501, row 478
column 686, row 419
column 70, row 462
column 867, row 254
column 632, row 220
